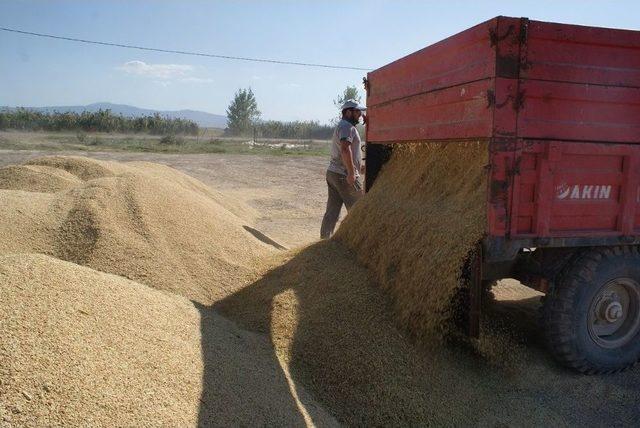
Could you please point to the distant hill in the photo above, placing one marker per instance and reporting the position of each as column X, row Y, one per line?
column 202, row 118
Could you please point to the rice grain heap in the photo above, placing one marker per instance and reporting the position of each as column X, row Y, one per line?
column 143, row 221
column 84, row 348
column 416, row 227
column 83, row 345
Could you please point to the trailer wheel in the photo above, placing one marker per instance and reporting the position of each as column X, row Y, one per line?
column 592, row 317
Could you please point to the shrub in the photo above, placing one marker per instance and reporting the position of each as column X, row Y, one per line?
column 172, row 140
column 81, row 136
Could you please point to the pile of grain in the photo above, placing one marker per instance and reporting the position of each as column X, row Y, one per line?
column 333, row 327
column 416, row 227
column 336, row 329
column 81, row 347
column 331, row 321
column 36, row 178
column 143, row 221
column 84, row 348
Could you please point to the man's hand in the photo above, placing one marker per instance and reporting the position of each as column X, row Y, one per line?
column 351, row 179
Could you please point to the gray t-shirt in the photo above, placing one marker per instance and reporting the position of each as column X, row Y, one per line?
column 345, row 131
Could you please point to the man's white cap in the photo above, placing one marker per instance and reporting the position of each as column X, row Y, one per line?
column 352, row 104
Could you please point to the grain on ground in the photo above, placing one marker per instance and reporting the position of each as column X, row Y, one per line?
column 84, row 348
column 139, row 220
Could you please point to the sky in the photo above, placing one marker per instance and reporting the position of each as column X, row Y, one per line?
column 44, row 72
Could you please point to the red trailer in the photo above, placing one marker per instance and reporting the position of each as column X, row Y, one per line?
column 560, row 107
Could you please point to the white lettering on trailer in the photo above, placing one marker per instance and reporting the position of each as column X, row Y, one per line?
column 575, row 193
column 583, row 191
column 562, row 191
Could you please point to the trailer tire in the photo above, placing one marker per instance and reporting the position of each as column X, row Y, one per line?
column 592, row 316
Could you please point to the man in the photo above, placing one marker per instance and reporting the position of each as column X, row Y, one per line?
column 343, row 175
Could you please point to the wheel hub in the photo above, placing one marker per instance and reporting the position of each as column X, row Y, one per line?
column 614, row 316
column 610, row 309
column 614, row 312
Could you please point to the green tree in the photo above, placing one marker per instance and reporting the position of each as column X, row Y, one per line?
column 350, row 93
column 242, row 113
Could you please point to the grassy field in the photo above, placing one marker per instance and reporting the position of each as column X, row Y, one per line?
column 210, row 142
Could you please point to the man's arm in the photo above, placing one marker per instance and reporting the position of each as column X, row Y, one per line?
column 347, row 160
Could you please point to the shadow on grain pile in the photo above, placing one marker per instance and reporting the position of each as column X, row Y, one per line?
column 364, row 340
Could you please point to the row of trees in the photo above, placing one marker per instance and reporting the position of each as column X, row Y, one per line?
column 302, row 130
column 243, row 118
column 100, row 121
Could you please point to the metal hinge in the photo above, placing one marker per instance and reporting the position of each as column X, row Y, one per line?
column 491, row 97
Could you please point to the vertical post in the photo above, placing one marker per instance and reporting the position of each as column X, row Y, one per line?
column 545, row 191
column 628, row 194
